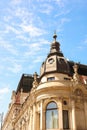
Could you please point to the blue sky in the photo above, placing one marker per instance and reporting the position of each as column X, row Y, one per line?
column 26, row 31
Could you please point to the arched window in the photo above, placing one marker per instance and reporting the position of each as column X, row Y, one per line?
column 51, row 116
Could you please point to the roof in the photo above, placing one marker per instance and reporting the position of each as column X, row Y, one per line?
column 25, row 83
column 82, row 69
column 57, row 63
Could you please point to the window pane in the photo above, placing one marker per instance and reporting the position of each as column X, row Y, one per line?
column 50, row 78
column 52, row 116
column 65, row 119
column 52, row 105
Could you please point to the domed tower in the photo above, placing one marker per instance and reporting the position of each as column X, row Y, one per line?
column 54, row 90
column 55, row 63
column 60, row 92
column 55, row 100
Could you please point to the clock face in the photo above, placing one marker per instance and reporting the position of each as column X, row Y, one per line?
column 51, row 60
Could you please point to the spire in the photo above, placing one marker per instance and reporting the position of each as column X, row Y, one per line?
column 55, row 46
column 55, row 36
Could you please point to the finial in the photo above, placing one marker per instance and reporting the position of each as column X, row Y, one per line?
column 55, row 36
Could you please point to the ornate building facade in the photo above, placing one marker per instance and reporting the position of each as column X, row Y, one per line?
column 54, row 100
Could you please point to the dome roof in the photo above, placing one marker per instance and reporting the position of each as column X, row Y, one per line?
column 55, row 61
column 55, row 47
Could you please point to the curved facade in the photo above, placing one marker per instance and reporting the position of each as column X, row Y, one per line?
column 54, row 100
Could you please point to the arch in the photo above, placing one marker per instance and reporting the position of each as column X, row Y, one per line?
column 52, row 114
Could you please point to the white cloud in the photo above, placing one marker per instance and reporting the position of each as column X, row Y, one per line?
column 43, row 41
column 16, row 2
column 15, row 68
column 1, row 67
column 38, row 59
column 4, row 90
column 10, row 29
column 80, row 47
column 32, row 30
column 23, row 38
column 7, row 18
column 61, row 3
column 62, row 12
column 37, row 47
column 83, row 44
column 33, row 49
column 8, row 47
column 64, row 20
column 46, row 8
column 85, row 41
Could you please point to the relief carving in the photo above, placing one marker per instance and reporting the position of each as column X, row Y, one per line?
column 78, row 92
column 35, row 82
column 76, row 78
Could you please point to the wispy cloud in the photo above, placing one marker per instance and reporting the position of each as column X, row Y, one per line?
column 7, row 18
column 38, row 59
column 15, row 68
column 62, row 12
column 12, row 29
column 16, row 2
column 32, row 30
column 8, row 47
column 61, row 3
column 24, row 27
column 36, row 48
column 4, row 90
column 64, row 20
column 46, row 8
column 82, row 44
column 85, row 41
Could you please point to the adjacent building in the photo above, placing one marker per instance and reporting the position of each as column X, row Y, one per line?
column 54, row 100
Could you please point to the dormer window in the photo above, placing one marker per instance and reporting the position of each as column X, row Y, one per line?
column 50, row 78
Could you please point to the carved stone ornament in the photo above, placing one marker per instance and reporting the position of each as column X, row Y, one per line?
column 78, row 92
column 13, row 97
column 35, row 82
column 75, row 75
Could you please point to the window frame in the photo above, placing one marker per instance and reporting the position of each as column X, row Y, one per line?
column 50, row 110
column 65, row 113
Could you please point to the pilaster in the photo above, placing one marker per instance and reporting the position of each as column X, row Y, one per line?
column 85, row 109
column 73, row 115
column 34, row 117
column 42, row 116
column 60, row 115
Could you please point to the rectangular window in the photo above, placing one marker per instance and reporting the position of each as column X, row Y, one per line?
column 65, row 119
column 50, row 78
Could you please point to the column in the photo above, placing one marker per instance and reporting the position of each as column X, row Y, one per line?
column 34, row 117
column 38, row 120
column 42, row 117
column 73, row 115
column 31, row 116
column 60, row 116
column 85, row 109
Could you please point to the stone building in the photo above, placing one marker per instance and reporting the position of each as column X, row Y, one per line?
column 54, row 100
